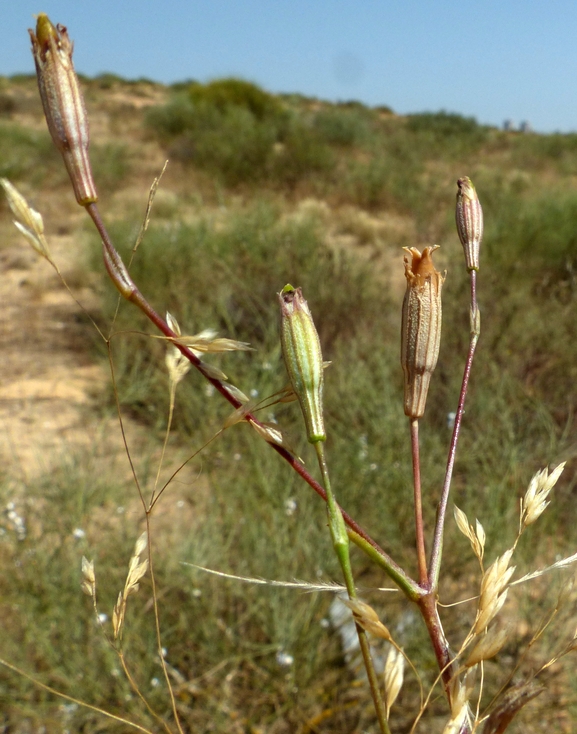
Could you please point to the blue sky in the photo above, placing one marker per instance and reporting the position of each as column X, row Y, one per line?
column 513, row 59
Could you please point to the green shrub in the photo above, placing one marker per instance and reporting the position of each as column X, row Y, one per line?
column 449, row 133
column 342, row 126
column 25, row 152
column 239, row 133
column 222, row 94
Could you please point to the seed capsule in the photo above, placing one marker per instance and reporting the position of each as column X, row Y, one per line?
column 302, row 355
column 469, row 219
column 63, row 103
column 421, row 327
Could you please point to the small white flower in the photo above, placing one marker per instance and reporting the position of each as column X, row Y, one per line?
column 284, row 659
column 78, row 533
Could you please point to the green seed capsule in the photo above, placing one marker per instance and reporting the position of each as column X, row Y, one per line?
column 302, row 355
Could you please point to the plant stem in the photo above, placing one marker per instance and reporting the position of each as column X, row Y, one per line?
column 341, row 546
column 437, row 551
column 126, row 286
column 72, row 699
column 419, row 531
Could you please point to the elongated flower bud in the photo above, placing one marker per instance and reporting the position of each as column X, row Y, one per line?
column 63, row 103
column 469, row 218
column 302, row 355
column 421, row 327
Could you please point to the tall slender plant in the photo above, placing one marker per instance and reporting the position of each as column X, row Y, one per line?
column 421, row 333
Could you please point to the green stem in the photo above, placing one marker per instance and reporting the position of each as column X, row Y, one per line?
column 410, row 588
column 341, row 545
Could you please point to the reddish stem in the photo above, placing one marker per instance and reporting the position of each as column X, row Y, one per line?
column 436, row 553
column 419, row 529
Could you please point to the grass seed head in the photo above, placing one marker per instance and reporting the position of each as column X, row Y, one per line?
column 88, row 585
column 367, row 618
column 487, row 646
column 393, row 676
column 421, row 327
column 27, row 220
column 535, row 501
column 63, row 104
column 493, row 590
column 176, row 363
column 475, row 535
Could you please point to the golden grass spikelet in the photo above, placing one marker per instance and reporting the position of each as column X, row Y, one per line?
column 475, row 535
column 212, row 372
column 487, row 646
column 393, row 677
column 118, row 615
column 27, row 220
column 493, row 590
column 535, row 501
column 367, row 618
column 272, row 434
column 176, row 363
column 460, row 692
column 136, row 570
column 88, row 584
column 209, row 341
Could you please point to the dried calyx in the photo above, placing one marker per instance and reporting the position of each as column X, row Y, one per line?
column 421, row 327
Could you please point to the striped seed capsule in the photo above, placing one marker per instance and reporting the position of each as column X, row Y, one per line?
column 421, row 327
column 469, row 219
column 63, row 104
column 302, row 355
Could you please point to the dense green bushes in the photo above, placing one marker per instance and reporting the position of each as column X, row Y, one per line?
column 239, row 133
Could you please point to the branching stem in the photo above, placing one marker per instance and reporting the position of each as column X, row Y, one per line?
column 121, row 279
